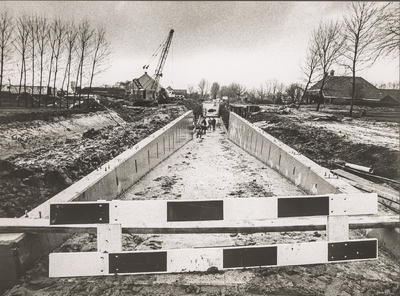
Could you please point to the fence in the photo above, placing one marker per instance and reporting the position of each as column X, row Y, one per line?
column 12, row 100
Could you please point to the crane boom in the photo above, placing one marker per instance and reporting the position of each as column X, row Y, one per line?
column 162, row 60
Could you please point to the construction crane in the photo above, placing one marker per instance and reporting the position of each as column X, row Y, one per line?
column 158, row 73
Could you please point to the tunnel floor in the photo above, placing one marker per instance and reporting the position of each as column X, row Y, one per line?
column 211, row 168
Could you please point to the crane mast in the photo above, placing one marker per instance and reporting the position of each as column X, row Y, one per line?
column 161, row 62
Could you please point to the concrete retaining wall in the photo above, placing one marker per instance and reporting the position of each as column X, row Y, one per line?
column 302, row 171
column 19, row 251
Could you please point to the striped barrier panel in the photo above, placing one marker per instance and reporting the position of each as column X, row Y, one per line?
column 230, row 209
column 188, row 260
column 111, row 216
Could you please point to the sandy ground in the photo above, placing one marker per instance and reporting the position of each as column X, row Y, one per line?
column 358, row 130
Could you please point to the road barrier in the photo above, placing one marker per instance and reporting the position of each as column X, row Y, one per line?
column 110, row 217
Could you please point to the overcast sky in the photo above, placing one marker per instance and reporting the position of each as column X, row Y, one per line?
column 220, row 41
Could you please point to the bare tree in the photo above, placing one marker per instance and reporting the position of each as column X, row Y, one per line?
column 328, row 43
column 389, row 30
column 214, row 90
column 52, row 33
column 309, row 68
column 71, row 35
column 261, row 92
column 33, row 32
column 84, row 39
column 56, row 34
column 190, row 89
column 42, row 44
column 252, row 94
column 238, row 89
column 203, row 88
column 6, row 33
column 58, row 48
column 101, row 53
column 279, row 92
column 21, row 44
column 360, row 31
column 294, row 91
column 272, row 85
column 226, row 91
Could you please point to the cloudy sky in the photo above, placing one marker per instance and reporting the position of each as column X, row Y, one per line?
column 220, row 41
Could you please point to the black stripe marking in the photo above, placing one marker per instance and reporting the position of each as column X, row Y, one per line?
column 352, row 250
column 137, row 262
column 303, row 206
column 79, row 213
column 247, row 257
column 195, row 210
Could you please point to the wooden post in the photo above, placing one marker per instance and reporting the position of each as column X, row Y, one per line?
column 109, row 238
column 337, row 228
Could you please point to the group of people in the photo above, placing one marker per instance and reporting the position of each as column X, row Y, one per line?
column 203, row 124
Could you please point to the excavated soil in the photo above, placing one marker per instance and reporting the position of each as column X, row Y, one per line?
column 41, row 154
column 216, row 168
column 332, row 140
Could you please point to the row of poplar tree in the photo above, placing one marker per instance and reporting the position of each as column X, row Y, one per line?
column 49, row 53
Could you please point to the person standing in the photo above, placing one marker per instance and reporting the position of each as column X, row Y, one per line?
column 204, row 125
column 213, row 122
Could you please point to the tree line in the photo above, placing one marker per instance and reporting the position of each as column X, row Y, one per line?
column 367, row 32
column 272, row 91
column 51, row 53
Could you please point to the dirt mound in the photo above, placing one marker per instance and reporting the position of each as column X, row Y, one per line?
column 52, row 162
column 329, row 144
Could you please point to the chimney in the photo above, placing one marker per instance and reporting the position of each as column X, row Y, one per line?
column 332, row 73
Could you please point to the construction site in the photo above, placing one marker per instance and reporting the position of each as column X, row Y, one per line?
column 125, row 199
column 149, row 154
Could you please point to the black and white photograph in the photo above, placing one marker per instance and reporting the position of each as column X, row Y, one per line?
column 214, row 148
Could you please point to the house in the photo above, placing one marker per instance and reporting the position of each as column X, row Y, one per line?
column 143, row 87
column 340, row 87
column 390, row 96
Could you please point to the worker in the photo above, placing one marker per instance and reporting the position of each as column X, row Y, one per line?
column 213, row 122
column 209, row 124
column 204, row 125
column 199, row 131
